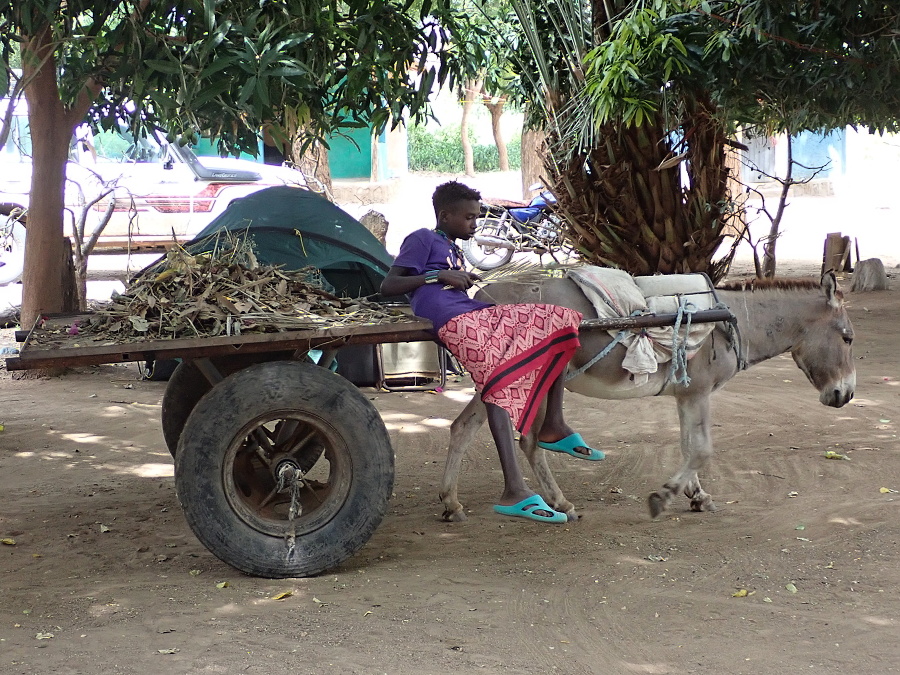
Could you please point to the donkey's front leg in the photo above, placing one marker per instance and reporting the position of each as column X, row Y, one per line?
column 462, row 433
column 696, row 448
column 547, row 486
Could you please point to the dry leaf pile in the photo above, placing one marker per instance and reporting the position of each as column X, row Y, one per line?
column 227, row 292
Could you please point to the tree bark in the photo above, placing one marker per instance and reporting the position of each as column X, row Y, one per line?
column 533, row 154
column 313, row 164
column 769, row 259
column 496, row 110
column 44, row 281
column 473, row 88
column 869, row 275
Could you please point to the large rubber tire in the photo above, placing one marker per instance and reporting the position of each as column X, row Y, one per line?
column 185, row 389
column 225, row 478
column 488, row 257
column 12, row 252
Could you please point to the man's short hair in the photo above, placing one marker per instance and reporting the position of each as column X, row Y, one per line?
column 448, row 194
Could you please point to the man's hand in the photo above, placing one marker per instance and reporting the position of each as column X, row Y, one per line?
column 458, row 279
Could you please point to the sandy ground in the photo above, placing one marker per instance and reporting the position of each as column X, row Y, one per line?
column 104, row 575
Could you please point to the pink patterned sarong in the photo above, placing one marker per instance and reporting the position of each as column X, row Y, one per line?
column 514, row 353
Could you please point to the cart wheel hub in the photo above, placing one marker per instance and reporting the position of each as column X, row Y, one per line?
column 287, row 471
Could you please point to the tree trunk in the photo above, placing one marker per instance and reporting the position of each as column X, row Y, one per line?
column 496, row 110
column 533, row 153
column 769, row 259
column 626, row 204
column 473, row 88
column 313, row 164
column 869, row 275
column 44, row 281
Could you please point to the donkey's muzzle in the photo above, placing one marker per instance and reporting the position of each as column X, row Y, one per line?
column 837, row 397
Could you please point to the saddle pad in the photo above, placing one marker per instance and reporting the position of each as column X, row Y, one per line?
column 615, row 293
column 664, row 293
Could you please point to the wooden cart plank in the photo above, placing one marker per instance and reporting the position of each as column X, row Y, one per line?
column 33, row 356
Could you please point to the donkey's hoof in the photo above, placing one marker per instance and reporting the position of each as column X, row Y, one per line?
column 704, row 503
column 566, row 507
column 456, row 516
column 657, row 504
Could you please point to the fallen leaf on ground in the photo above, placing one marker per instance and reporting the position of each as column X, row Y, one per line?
column 44, row 636
column 222, row 584
column 285, row 594
column 173, row 650
column 831, row 454
column 104, row 528
column 12, row 542
column 740, row 594
column 194, row 573
column 791, row 588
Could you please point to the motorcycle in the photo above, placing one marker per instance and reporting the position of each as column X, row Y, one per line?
column 506, row 228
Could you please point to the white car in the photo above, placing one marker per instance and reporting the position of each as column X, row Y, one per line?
column 162, row 190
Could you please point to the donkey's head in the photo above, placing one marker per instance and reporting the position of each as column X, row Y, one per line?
column 824, row 352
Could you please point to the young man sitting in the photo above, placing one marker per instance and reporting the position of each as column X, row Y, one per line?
column 516, row 354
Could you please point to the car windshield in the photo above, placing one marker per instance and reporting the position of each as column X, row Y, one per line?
column 113, row 146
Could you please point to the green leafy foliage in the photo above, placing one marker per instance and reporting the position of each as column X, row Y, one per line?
column 442, row 151
column 783, row 66
column 225, row 68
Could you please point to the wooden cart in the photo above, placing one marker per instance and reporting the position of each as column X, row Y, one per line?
column 282, row 467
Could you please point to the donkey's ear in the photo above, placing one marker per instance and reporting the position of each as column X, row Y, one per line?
column 833, row 295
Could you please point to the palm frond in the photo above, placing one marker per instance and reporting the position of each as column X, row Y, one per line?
column 525, row 272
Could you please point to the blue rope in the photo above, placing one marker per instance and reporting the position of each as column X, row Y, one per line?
column 606, row 350
column 621, row 335
column 678, row 369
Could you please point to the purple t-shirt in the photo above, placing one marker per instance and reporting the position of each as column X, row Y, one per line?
column 425, row 250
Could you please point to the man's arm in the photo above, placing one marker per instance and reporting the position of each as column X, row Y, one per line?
column 401, row 280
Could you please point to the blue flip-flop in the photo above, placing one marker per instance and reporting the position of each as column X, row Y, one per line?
column 527, row 509
column 568, row 445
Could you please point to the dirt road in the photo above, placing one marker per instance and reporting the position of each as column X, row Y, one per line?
column 105, row 577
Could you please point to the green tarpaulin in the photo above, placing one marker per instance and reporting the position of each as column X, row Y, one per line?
column 297, row 228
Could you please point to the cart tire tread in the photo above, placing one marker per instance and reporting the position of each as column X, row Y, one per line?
column 223, row 415
column 184, row 390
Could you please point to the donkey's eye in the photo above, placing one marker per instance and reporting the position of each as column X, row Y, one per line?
column 848, row 339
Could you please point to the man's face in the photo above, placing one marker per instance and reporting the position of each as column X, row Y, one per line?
column 459, row 220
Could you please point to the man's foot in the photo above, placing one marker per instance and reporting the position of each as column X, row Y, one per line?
column 573, row 445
